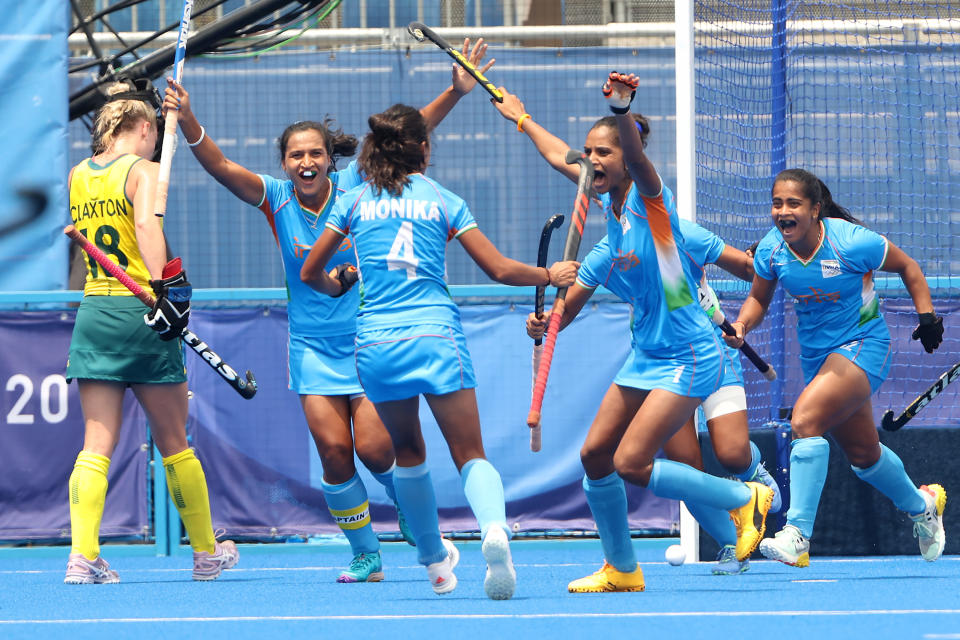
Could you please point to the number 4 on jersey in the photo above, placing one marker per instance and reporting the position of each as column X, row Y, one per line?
column 401, row 254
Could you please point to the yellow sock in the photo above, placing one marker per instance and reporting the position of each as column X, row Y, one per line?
column 188, row 490
column 88, row 492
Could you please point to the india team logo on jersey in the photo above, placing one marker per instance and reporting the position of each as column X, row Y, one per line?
column 830, row 268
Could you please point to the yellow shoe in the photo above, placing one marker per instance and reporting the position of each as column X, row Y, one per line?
column 751, row 519
column 608, row 579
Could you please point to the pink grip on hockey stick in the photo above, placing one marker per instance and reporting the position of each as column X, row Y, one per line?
column 109, row 265
column 536, row 404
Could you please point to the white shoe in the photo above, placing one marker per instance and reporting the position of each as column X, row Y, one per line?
column 83, row 571
column 442, row 578
column 788, row 546
column 501, row 577
column 928, row 526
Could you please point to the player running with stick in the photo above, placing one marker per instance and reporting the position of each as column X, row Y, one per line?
column 825, row 260
column 112, row 348
column 409, row 337
column 725, row 409
column 670, row 334
column 322, row 329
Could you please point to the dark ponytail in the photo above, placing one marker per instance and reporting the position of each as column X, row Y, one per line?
column 337, row 143
column 816, row 192
column 394, row 148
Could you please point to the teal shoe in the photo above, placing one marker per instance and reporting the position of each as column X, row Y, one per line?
column 727, row 563
column 404, row 527
column 365, row 567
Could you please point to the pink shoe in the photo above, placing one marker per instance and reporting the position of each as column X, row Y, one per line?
column 83, row 571
column 208, row 566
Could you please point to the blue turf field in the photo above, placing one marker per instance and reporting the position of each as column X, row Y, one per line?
column 275, row 594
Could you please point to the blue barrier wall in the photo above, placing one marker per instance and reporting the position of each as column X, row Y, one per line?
column 33, row 166
column 263, row 471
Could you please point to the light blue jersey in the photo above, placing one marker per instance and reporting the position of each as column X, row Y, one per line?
column 401, row 251
column 702, row 247
column 646, row 247
column 310, row 312
column 832, row 291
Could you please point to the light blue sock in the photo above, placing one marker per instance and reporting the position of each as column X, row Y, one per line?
column 716, row 522
column 386, row 479
column 680, row 481
column 889, row 478
column 484, row 491
column 747, row 475
column 419, row 505
column 809, row 458
column 350, row 510
column 607, row 499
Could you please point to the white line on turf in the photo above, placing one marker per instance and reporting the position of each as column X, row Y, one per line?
column 528, row 616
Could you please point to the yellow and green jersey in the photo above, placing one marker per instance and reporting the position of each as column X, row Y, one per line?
column 101, row 211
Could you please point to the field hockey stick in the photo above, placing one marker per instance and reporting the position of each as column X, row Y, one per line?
column 170, row 120
column 421, row 32
column 553, row 223
column 574, row 234
column 246, row 388
column 710, row 304
column 889, row 424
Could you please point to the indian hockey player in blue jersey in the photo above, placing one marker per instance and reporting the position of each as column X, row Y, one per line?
column 340, row 418
column 825, row 261
column 409, row 338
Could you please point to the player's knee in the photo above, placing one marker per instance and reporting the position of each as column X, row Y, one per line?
column 376, row 453
column 803, row 426
column 733, row 459
column 633, row 469
column 336, row 457
column 862, row 455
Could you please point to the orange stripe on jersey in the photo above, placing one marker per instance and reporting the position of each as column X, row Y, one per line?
column 271, row 216
column 659, row 221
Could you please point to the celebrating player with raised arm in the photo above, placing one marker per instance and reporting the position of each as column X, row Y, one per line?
column 112, row 348
column 409, row 337
column 825, row 260
column 658, row 387
column 322, row 329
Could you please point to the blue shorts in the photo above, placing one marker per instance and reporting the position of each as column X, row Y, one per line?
column 323, row 366
column 403, row 362
column 871, row 353
column 694, row 370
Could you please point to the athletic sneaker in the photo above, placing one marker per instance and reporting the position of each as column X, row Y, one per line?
column 788, row 546
column 501, row 577
column 441, row 575
column 209, row 566
column 83, row 571
column 365, row 567
column 609, row 579
column 751, row 519
column 727, row 563
column 404, row 527
column 928, row 526
column 762, row 475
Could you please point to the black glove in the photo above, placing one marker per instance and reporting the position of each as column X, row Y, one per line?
column 347, row 275
column 929, row 331
column 171, row 311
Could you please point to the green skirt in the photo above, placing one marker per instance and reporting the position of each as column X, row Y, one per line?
column 111, row 342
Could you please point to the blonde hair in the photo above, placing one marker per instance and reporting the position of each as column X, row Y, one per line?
column 118, row 116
